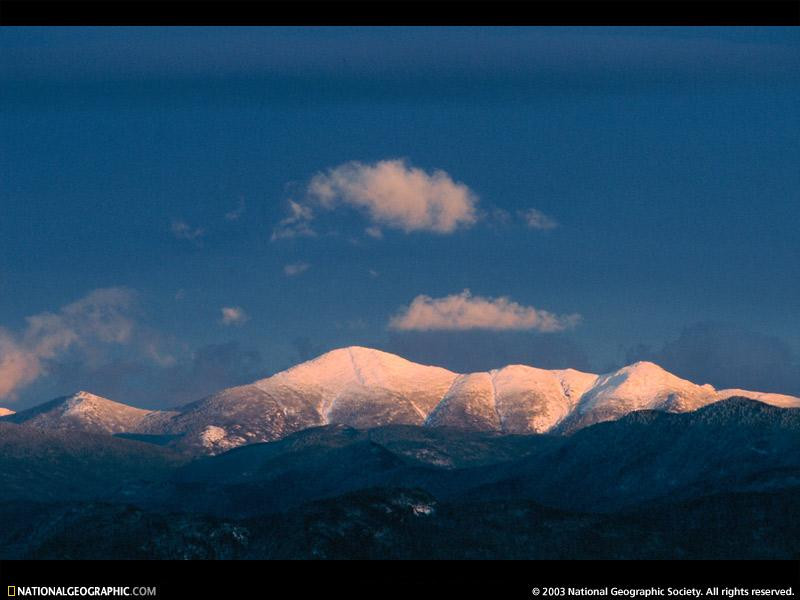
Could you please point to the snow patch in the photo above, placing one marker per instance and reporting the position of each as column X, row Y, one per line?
column 212, row 435
column 422, row 509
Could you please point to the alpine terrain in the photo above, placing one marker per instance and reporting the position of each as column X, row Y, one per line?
column 366, row 388
column 362, row 454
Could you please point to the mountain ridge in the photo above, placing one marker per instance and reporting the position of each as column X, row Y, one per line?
column 718, row 481
column 86, row 412
column 364, row 388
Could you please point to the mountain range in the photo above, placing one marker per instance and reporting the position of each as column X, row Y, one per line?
column 362, row 454
column 365, row 388
column 718, row 482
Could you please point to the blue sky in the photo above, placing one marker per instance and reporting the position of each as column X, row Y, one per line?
column 662, row 164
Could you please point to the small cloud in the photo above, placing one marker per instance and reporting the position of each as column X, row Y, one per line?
column 297, row 224
column 180, row 295
column 296, row 268
column 394, row 194
column 373, row 273
column 536, row 219
column 390, row 194
column 464, row 311
column 236, row 213
column 233, row 315
column 183, row 231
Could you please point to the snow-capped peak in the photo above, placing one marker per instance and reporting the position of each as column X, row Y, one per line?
column 364, row 388
column 83, row 402
column 356, row 380
column 640, row 386
column 5, row 412
column 84, row 411
column 354, row 364
column 640, row 381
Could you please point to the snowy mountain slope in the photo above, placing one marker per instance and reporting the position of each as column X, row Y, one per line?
column 85, row 412
column 514, row 399
column 237, row 416
column 530, row 400
column 364, row 388
column 640, row 386
column 354, row 385
column 468, row 404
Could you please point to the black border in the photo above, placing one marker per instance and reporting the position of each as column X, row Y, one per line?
column 410, row 580
column 418, row 580
column 394, row 12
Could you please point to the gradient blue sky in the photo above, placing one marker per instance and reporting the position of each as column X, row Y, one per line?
column 667, row 157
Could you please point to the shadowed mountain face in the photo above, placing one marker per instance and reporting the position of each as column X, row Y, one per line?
column 40, row 465
column 412, row 524
column 719, row 482
column 364, row 388
column 735, row 445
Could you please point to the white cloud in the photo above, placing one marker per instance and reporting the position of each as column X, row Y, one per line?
column 233, row 315
column 101, row 316
column 464, row 311
column 390, row 194
column 536, row 219
column 393, row 194
column 297, row 224
column 296, row 268
column 184, row 231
